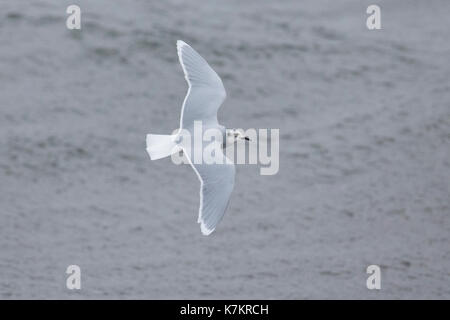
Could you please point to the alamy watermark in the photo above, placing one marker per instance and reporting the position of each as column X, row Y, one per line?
column 205, row 145
column 74, row 279
column 374, row 280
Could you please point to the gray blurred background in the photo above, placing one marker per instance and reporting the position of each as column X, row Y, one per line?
column 364, row 120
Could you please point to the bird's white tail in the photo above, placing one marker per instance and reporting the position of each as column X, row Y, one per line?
column 161, row 146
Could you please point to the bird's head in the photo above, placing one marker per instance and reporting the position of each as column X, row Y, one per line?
column 236, row 134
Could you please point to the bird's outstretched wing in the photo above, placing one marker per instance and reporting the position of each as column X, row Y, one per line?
column 216, row 185
column 206, row 92
column 203, row 99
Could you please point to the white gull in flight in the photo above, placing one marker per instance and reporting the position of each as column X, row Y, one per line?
column 203, row 99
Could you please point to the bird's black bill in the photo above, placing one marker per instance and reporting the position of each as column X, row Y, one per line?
column 247, row 138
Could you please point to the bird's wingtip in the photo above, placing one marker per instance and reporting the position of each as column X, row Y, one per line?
column 180, row 43
column 205, row 230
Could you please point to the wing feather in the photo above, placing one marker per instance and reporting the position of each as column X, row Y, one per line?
column 206, row 91
column 216, row 186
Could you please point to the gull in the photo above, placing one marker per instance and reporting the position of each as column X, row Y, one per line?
column 205, row 95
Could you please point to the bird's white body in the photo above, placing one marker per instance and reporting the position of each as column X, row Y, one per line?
column 203, row 99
